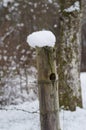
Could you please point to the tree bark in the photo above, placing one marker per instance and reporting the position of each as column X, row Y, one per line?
column 48, row 89
column 83, row 36
column 69, row 54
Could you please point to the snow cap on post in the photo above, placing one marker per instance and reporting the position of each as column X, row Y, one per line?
column 41, row 39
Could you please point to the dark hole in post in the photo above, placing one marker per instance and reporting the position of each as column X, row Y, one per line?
column 52, row 77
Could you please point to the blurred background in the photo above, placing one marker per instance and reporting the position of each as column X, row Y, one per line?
column 19, row 18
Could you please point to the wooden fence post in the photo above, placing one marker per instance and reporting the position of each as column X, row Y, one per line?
column 48, row 88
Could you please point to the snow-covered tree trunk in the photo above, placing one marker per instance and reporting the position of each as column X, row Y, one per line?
column 83, row 11
column 83, row 36
column 69, row 55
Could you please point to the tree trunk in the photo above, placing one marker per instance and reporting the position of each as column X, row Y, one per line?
column 83, row 37
column 69, row 59
column 48, row 89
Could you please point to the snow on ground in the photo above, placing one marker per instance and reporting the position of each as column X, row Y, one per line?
column 83, row 83
column 26, row 116
column 15, row 119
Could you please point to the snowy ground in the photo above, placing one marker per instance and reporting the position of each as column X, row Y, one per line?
column 26, row 116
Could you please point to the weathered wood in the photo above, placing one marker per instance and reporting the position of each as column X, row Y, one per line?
column 48, row 89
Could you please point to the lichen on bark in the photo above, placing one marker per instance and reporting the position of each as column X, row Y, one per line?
column 69, row 59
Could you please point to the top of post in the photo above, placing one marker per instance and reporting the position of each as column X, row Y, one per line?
column 41, row 39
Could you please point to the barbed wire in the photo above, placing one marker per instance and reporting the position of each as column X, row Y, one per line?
column 18, row 109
